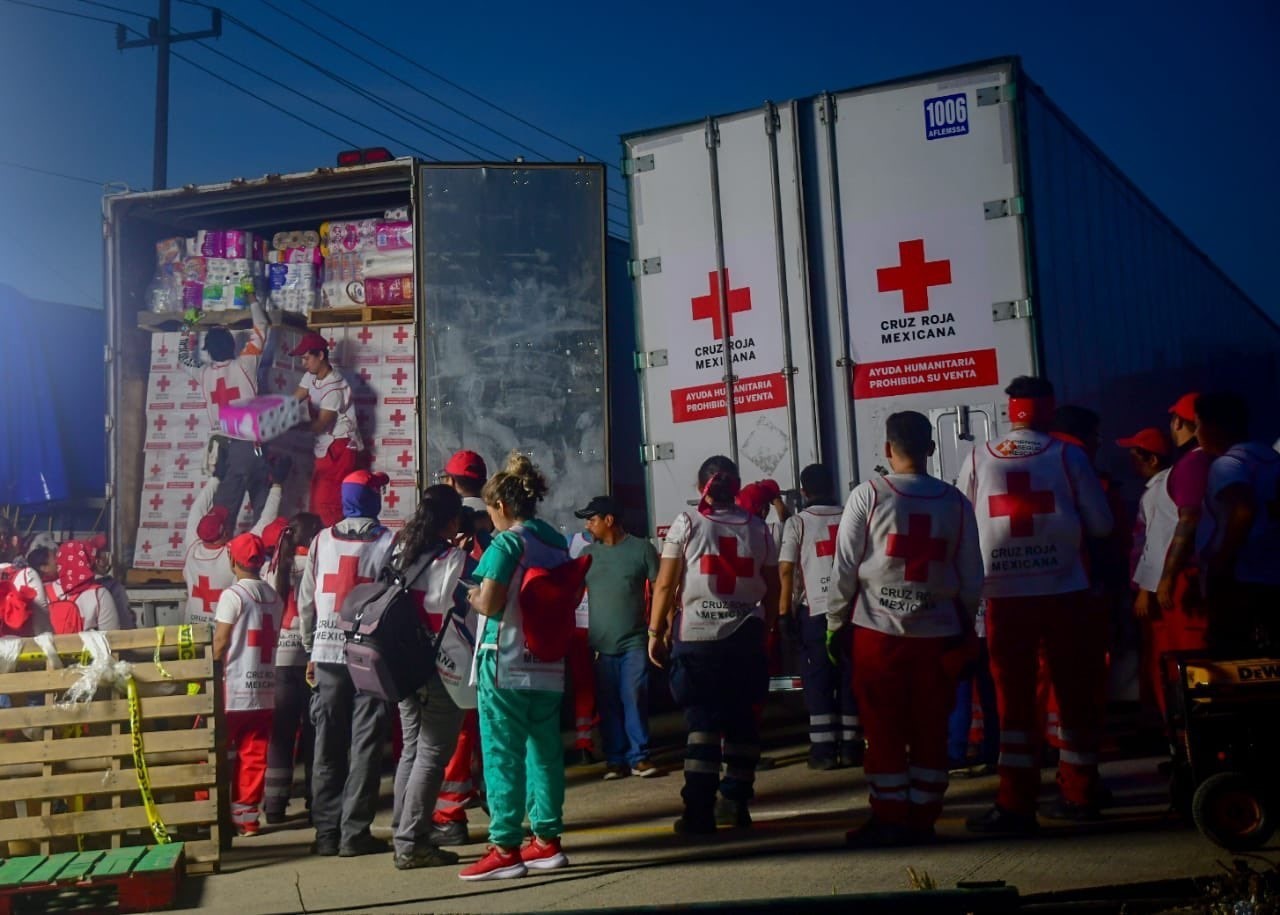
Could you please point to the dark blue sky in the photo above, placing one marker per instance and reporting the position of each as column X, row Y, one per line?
column 1182, row 96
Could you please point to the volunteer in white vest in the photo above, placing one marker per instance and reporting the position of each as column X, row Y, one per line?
column 291, row 722
column 350, row 726
column 205, row 569
column 338, row 444
column 724, row 564
column 1153, row 526
column 909, row 567
column 1037, row 499
column 1239, row 534
column 519, row 696
column 804, row 567
column 40, row 575
column 244, row 638
column 429, row 718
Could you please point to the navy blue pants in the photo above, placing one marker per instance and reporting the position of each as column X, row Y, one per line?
column 828, row 688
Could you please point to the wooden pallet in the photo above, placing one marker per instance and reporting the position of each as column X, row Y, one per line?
column 170, row 577
column 236, row 318
column 138, row 879
column 67, row 775
column 360, row 314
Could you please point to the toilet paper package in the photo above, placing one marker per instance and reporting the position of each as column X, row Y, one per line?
column 260, row 419
column 388, row 264
column 396, row 290
column 229, row 243
column 393, row 236
column 350, row 236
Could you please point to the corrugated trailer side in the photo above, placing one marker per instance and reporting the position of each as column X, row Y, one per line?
column 1129, row 312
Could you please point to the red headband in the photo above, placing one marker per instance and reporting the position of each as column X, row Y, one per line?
column 735, row 486
column 1036, row 412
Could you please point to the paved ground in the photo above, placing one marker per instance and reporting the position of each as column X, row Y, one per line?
column 623, row 851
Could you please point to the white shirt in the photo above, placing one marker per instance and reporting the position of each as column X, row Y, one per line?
column 333, row 393
column 1257, row 467
column 1153, row 532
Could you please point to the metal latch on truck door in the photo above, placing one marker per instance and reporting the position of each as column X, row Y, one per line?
column 994, row 95
column 1008, row 311
column 998, row 209
column 637, row 165
column 646, row 267
column 651, row 360
column 661, row 451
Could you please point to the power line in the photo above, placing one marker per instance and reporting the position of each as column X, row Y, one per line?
column 50, row 9
column 114, row 9
column 53, row 174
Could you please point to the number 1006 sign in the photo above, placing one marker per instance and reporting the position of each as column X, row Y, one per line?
column 946, row 116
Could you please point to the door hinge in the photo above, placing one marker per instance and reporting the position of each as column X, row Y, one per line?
column 712, row 133
column 644, row 267
column 637, row 165
column 998, row 209
column 662, row 451
column 1008, row 311
column 994, row 95
column 651, row 360
column 772, row 120
column 108, row 491
column 827, row 109
column 106, row 228
column 106, row 354
column 107, row 422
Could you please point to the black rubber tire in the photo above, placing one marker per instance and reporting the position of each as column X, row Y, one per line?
column 1231, row 812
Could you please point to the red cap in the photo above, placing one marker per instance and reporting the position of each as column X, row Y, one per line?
column 247, row 551
column 1149, row 439
column 213, row 526
column 311, row 342
column 770, row 489
column 1185, row 408
column 467, row 464
column 754, row 497
column 271, row 533
column 375, row 481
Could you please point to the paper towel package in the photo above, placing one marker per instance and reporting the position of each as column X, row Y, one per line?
column 260, row 419
column 395, row 290
column 384, row 264
column 393, row 236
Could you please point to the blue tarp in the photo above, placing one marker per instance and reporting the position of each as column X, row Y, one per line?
column 52, row 444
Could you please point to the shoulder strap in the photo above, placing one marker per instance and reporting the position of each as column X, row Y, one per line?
column 405, row 578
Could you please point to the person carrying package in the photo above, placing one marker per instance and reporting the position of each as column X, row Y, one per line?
column 808, row 548
column 1037, row 499
column 1239, row 534
column 338, row 444
column 351, row 726
column 241, row 465
column 519, row 695
column 722, row 563
column 291, row 719
column 205, row 568
column 244, row 637
column 82, row 603
column 909, row 568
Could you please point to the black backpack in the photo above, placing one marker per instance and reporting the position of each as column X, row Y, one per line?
column 390, row 653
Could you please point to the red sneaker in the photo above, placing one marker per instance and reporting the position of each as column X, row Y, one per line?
column 543, row 854
column 497, row 864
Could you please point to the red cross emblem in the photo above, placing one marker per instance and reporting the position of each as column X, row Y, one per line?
column 163, row 383
column 155, row 470
column 263, row 638
column 913, row 276
column 146, row 546
column 727, row 566
column 187, row 501
column 207, row 596
column 193, row 384
column 828, row 547
column 156, row 501
column 160, row 423
column 400, row 335
column 175, row 540
column 182, row 461
column 340, row 585
column 708, row 306
column 1021, row 504
column 164, row 349
column 405, row 458
column 917, row 547
column 392, row 498
column 364, row 375
column 397, row 418
column 365, row 335
column 192, row 422
column 400, row 375
column 223, row 395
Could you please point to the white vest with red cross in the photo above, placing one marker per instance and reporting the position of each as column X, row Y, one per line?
column 818, row 527
column 723, row 584
column 1028, row 521
column 340, row 564
column 224, row 382
column 250, row 661
column 909, row 578
column 207, row 572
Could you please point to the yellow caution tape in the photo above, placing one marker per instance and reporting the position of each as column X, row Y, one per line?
column 140, row 766
column 160, row 644
column 187, row 652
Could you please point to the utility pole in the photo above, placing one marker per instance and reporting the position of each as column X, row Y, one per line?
column 161, row 36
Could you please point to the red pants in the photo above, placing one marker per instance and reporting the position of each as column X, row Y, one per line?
column 458, row 789
column 904, row 698
column 582, row 680
column 326, row 480
column 248, row 734
column 1180, row 629
column 1068, row 628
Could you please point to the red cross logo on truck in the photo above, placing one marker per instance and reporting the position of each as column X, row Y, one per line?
column 918, row 547
column 1021, row 504
column 913, row 276
column 708, row 306
column 726, row 567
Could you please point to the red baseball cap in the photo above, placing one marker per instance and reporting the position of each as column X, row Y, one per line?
column 754, row 498
column 247, row 551
column 213, row 526
column 271, row 533
column 1185, row 408
column 375, row 481
column 1149, row 439
column 311, row 342
column 467, row 464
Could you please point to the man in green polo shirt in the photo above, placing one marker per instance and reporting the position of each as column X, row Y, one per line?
column 618, row 614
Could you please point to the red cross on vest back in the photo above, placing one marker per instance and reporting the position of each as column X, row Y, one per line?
column 708, row 306
column 365, row 335
column 400, row 335
column 913, row 276
column 727, row 566
column 223, row 395
column 918, row 547
column 263, row 638
column 340, row 585
column 828, row 547
column 1021, row 504
column 207, row 596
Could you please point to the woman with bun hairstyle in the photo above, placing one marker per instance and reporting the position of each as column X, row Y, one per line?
column 723, row 564
column 519, row 697
column 291, row 725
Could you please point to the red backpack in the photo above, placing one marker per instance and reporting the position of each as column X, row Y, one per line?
column 548, row 600
column 65, row 616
